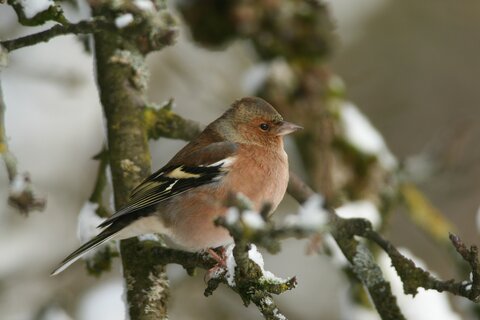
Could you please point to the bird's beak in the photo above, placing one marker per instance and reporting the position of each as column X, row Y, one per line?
column 287, row 127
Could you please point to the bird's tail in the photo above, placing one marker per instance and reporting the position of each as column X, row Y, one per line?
column 101, row 238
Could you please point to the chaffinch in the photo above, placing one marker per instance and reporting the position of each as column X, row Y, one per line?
column 240, row 152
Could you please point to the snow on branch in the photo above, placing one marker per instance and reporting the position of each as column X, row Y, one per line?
column 358, row 255
column 37, row 12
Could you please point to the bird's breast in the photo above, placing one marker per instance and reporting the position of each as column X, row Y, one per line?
column 261, row 175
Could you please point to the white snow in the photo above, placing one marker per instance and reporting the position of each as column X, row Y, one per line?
column 362, row 135
column 148, row 237
column 281, row 74
column 278, row 315
column 253, row 219
column 337, row 257
column 311, row 215
column 145, row 5
column 123, row 20
column 19, row 184
column 278, row 72
column 352, row 310
column 231, row 264
column 88, row 220
column 232, row 216
column 255, row 256
column 103, row 302
column 360, row 209
column 33, row 7
column 55, row 313
column 427, row 304
column 255, row 77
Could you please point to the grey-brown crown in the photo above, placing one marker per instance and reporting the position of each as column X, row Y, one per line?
column 248, row 108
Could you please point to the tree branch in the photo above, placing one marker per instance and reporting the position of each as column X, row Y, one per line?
column 83, row 27
column 163, row 122
column 363, row 263
column 122, row 79
column 414, row 277
column 21, row 195
column 52, row 13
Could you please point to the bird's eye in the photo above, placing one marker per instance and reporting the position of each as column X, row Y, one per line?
column 264, row 126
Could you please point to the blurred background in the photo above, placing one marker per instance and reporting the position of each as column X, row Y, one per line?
column 412, row 67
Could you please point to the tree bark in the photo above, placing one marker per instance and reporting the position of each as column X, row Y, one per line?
column 121, row 80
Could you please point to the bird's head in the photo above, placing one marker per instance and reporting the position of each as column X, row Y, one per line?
column 252, row 120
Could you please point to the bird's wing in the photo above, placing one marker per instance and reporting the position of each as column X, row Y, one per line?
column 203, row 166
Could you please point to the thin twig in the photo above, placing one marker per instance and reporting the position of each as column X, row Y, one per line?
column 83, row 27
column 21, row 194
column 101, row 183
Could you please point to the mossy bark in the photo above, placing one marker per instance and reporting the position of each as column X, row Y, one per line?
column 120, row 73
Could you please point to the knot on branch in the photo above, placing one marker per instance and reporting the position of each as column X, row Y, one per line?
column 163, row 122
column 147, row 24
column 21, row 195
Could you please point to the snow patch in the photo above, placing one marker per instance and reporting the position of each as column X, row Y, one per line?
column 255, row 256
column 88, row 220
column 231, row 264
column 253, row 219
column 33, row 7
column 123, row 20
column 255, row 77
column 148, row 237
column 232, row 216
column 145, row 5
column 103, row 302
column 337, row 257
column 278, row 72
column 362, row 135
column 311, row 215
column 19, row 184
column 55, row 313
column 360, row 209
column 427, row 304
column 281, row 74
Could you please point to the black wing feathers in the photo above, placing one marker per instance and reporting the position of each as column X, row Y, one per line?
column 174, row 179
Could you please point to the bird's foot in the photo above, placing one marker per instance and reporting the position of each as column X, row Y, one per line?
column 220, row 267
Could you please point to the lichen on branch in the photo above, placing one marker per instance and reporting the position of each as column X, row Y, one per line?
column 122, row 75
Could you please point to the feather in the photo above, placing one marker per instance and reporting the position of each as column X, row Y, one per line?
column 174, row 179
column 100, row 239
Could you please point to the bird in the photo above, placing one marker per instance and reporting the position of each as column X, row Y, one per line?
column 241, row 152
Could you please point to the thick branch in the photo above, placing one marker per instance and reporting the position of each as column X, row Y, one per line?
column 163, row 122
column 122, row 78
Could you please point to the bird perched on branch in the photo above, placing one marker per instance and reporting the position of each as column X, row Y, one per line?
column 240, row 152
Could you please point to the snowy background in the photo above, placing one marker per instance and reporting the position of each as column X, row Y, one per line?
column 411, row 66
